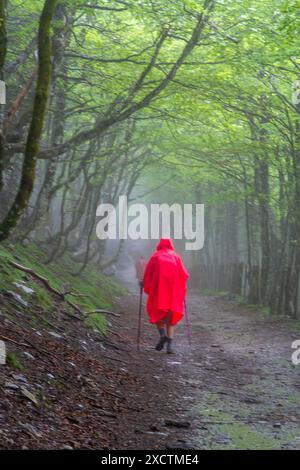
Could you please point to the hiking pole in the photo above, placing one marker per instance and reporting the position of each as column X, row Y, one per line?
column 139, row 319
column 187, row 324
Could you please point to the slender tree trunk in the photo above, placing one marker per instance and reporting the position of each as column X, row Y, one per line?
column 61, row 38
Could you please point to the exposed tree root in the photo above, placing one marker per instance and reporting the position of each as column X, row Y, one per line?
column 46, row 283
column 6, row 338
column 62, row 295
column 100, row 310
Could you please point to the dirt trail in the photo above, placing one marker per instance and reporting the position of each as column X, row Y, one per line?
column 235, row 388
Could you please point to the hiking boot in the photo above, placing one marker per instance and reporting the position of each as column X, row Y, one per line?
column 161, row 343
column 170, row 349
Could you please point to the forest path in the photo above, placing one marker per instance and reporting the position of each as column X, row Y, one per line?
column 235, row 387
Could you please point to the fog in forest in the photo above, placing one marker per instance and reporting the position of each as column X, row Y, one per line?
column 164, row 104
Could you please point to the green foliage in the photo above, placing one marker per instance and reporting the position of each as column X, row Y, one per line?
column 224, row 118
column 92, row 289
column 13, row 361
column 40, row 297
column 96, row 322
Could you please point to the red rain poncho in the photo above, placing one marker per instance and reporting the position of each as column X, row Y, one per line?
column 165, row 283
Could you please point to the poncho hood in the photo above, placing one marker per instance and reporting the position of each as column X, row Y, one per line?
column 165, row 243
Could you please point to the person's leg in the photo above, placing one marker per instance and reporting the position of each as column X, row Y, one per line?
column 161, row 326
column 170, row 331
column 170, row 334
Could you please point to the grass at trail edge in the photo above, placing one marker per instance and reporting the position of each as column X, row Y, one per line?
column 93, row 289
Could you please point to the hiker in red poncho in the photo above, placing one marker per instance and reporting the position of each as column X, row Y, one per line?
column 165, row 283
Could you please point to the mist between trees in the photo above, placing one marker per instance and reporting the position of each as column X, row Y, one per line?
column 177, row 102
